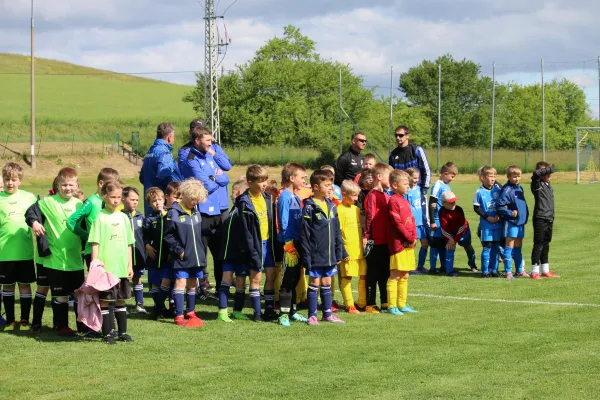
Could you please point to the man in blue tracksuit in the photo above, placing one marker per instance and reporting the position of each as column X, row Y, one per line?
column 159, row 167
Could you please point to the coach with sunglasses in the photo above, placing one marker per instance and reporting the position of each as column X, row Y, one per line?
column 351, row 161
column 409, row 155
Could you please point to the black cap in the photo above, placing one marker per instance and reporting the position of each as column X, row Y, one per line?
column 197, row 123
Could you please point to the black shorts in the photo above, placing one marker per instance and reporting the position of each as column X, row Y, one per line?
column 64, row 283
column 122, row 291
column 12, row 272
column 42, row 276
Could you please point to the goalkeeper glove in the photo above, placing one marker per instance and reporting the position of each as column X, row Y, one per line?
column 291, row 255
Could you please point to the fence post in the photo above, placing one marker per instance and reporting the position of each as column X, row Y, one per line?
column 282, row 146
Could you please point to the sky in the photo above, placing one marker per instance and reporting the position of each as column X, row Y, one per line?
column 168, row 36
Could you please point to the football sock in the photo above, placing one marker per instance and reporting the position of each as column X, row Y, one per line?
column 471, row 257
column 154, row 290
column 346, row 289
column 138, row 291
column 362, row 292
column 224, row 295
column 402, row 292
column 493, row 262
column 25, row 300
column 535, row 269
column 449, row 262
column 38, row 308
column 269, row 300
column 178, row 297
column 53, row 304
column 332, row 288
column 255, row 299
column 277, row 286
column 106, row 325
column 518, row 259
column 442, row 257
column 161, row 296
column 433, row 256
column 326, row 299
column 312, row 297
column 485, row 259
column 121, row 316
column 392, row 290
column 62, row 315
column 9, row 305
column 285, row 301
column 422, row 257
column 238, row 299
column 111, row 310
column 545, row 268
column 191, row 300
column 508, row 259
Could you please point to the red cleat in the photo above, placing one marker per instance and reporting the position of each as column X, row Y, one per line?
column 352, row 310
column 536, row 276
column 335, row 306
column 193, row 320
column 179, row 320
column 550, row 274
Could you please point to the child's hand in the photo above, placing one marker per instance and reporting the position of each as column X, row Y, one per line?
column 450, row 246
column 38, row 229
column 364, row 242
column 151, row 252
column 433, row 226
column 347, row 259
column 514, row 213
column 129, row 273
column 414, row 243
column 181, row 256
column 491, row 220
column 450, row 243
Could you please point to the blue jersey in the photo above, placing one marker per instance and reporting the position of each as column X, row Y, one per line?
column 416, row 204
column 289, row 215
column 486, row 200
column 436, row 192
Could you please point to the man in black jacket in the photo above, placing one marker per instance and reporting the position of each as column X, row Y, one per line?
column 409, row 155
column 351, row 161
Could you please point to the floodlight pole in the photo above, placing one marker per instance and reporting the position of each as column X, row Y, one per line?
column 391, row 108
column 599, row 91
column 493, row 112
column 439, row 114
column 32, row 91
column 341, row 111
column 211, row 88
column 543, row 116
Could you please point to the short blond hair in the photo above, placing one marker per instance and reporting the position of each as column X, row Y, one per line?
column 193, row 189
column 382, row 168
column 512, row 169
column 328, row 168
column 12, row 169
column 412, row 171
column 450, row 168
column 257, row 173
column 349, row 187
column 488, row 169
column 398, row 176
column 154, row 193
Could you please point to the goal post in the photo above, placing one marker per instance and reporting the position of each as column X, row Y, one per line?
column 587, row 148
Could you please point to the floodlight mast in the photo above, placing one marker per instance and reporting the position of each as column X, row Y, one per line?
column 211, row 88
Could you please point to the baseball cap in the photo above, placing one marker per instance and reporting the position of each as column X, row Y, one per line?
column 449, row 197
column 198, row 123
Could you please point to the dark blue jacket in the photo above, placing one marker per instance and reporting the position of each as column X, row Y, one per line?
column 139, row 249
column 512, row 198
column 242, row 240
column 224, row 163
column 159, row 168
column 154, row 236
column 183, row 234
column 320, row 236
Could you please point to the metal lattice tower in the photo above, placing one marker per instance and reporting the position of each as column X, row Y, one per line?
column 211, row 51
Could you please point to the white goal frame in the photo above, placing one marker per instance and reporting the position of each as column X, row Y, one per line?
column 578, row 142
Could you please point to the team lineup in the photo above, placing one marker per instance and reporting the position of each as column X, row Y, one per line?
column 358, row 220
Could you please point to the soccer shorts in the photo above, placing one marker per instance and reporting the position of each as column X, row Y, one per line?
column 63, row 283
column 156, row 275
column 490, row 235
column 187, row 273
column 268, row 261
column 422, row 232
column 466, row 239
column 513, row 231
column 121, row 291
column 139, row 272
column 322, row 272
column 12, row 272
column 353, row 268
column 238, row 268
column 403, row 261
column 42, row 276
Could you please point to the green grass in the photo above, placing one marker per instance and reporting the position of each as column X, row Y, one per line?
column 451, row 349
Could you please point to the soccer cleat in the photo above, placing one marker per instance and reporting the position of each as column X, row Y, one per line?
column 36, row 328
column 11, row 327
column 408, row 309
column 535, row 276
column 488, row 275
column 352, row 310
column 333, row 318
column 123, row 337
column 372, row 310
column 509, row 276
column 223, row 316
column 395, row 311
column 418, row 271
column 89, row 335
column 270, row 315
column 384, row 307
column 452, row 275
column 193, row 320
column 179, row 320
column 312, row 321
column 495, row 275
column 66, row 332
column 140, row 309
column 359, row 308
column 114, row 334
column 335, row 307
column 24, row 323
column 239, row 315
column 284, row 320
column 109, row 339
column 297, row 317
column 550, row 274
column 523, row 274
column 257, row 318
column 432, row 271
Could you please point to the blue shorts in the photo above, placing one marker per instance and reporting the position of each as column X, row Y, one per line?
column 513, row 231
column 187, row 273
column 139, row 272
column 466, row 239
column 268, row 261
column 322, row 272
column 156, row 275
column 490, row 235
column 239, row 268
column 422, row 232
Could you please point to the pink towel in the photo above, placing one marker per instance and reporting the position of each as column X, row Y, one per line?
column 88, row 300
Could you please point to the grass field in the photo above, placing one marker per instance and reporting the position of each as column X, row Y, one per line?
column 472, row 338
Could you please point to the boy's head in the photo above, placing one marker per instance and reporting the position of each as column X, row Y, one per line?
column 321, row 183
column 107, row 175
column 192, row 193
column 331, row 174
column 366, row 179
column 449, row 200
column 237, row 189
column 272, row 188
column 448, row 172
column 488, row 176
column 382, row 175
column 67, row 182
column 513, row 173
column 414, row 176
column 79, row 194
column 399, row 182
column 112, row 194
column 156, row 198
column 328, row 168
column 293, row 174
column 131, row 198
column 12, row 176
column 350, row 191
column 370, row 160
column 543, row 164
column 257, row 176
column 172, row 193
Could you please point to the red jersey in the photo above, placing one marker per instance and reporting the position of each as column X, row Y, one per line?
column 377, row 216
column 453, row 223
column 402, row 224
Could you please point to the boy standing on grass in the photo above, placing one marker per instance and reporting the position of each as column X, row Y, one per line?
column 512, row 207
column 401, row 243
column 65, row 273
column 112, row 239
column 419, row 212
column 16, row 244
column 543, row 219
column 183, row 237
column 131, row 198
column 489, row 229
column 376, row 232
column 322, row 246
column 453, row 227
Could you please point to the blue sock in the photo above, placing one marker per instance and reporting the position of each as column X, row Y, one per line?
column 313, row 300
column 508, row 259
column 255, row 298
column 138, row 292
column 326, row 299
column 472, row 257
column 178, row 297
column 493, row 267
column 422, row 257
column 223, row 295
column 191, row 301
column 433, row 255
column 238, row 299
column 449, row 262
column 485, row 260
column 442, row 257
column 161, row 296
column 154, row 291
column 269, row 299
column 518, row 257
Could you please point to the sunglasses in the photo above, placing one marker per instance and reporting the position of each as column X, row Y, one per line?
column 362, row 140
column 401, row 135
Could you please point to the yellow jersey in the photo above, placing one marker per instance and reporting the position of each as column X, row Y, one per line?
column 351, row 230
column 260, row 206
